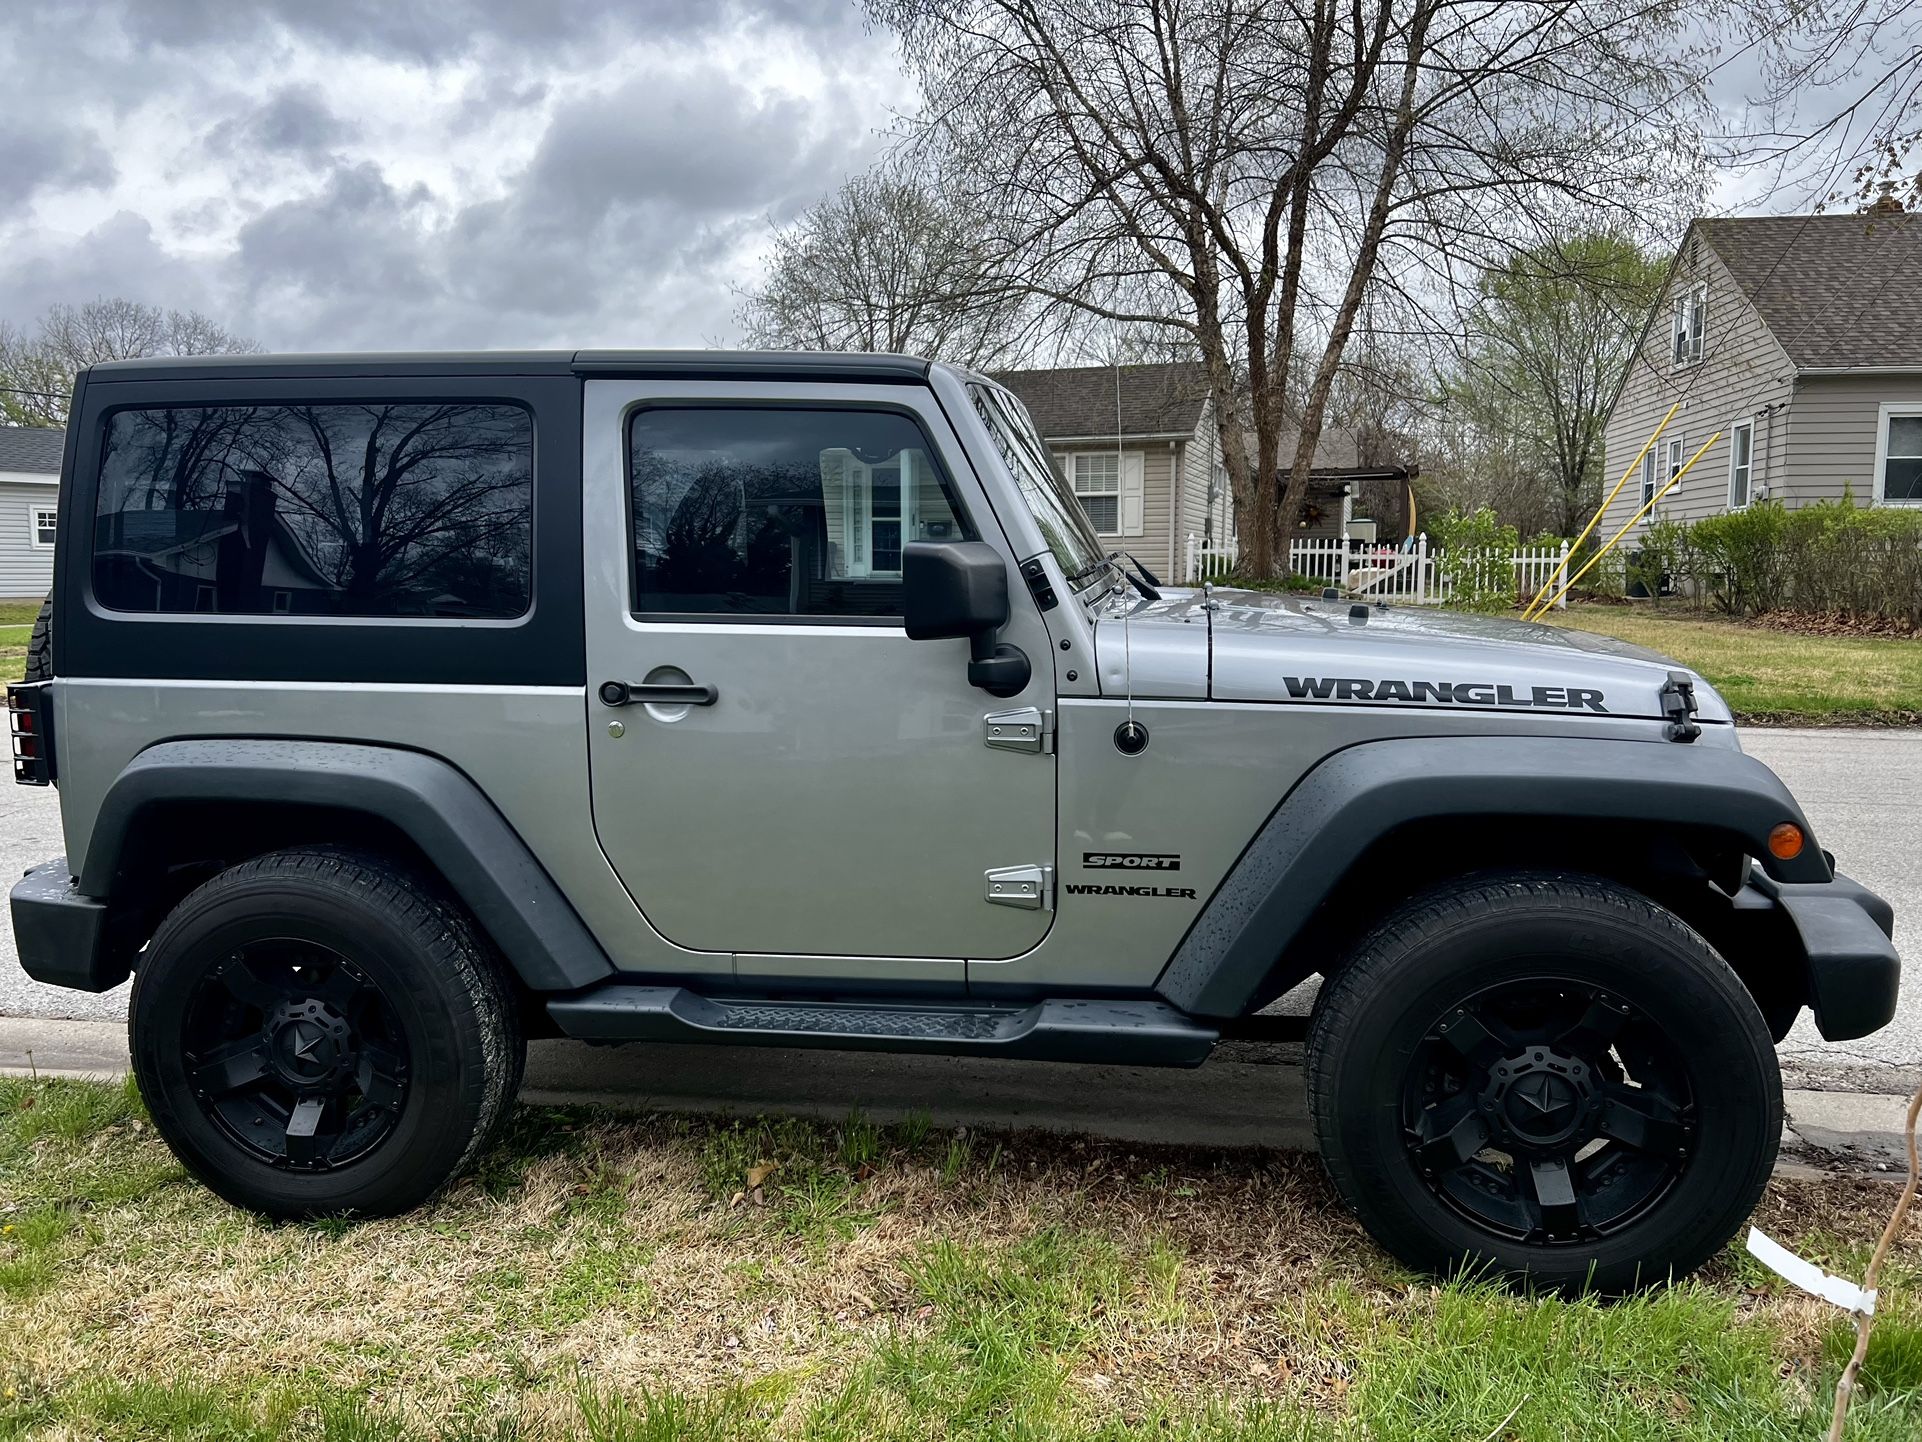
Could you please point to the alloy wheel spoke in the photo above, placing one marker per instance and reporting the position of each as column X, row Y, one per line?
column 1480, row 1044
column 303, row 1127
column 379, row 1076
column 1556, row 1199
column 339, row 989
column 1639, row 1118
column 1596, row 1030
column 231, row 1067
column 1450, row 1132
column 240, row 982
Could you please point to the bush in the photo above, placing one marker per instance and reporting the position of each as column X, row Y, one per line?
column 1476, row 562
column 1833, row 558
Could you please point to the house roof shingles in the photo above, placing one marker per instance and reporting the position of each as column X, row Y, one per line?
column 1156, row 400
column 32, row 448
column 1835, row 290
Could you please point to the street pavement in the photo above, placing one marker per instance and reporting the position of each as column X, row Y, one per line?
column 1862, row 790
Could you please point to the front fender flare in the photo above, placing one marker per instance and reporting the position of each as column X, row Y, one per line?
column 477, row 853
column 1360, row 794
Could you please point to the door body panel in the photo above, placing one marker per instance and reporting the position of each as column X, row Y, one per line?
column 838, row 799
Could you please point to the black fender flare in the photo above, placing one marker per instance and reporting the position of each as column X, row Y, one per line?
column 478, row 854
column 1357, row 795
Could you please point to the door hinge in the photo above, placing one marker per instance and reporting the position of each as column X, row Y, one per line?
column 1022, row 730
column 1030, row 888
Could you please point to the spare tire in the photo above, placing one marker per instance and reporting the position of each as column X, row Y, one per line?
column 40, row 645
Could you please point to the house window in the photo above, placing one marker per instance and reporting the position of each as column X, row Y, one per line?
column 1648, row 475
column 1898, row 464
column 1741, row 454
column 1691, row 319
column 41, row 522
column 1097, row 485
column 1674, row 467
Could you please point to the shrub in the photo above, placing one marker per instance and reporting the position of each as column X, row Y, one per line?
column 1476, row 563
column 1832, row 558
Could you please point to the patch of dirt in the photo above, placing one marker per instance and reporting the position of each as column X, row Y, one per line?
column 1802, row 720
column 1834, row 623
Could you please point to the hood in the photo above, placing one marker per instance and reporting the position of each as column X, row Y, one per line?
column 1255, row 646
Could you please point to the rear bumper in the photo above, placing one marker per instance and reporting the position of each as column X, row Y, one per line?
column 1854, row 972
column 60, row 934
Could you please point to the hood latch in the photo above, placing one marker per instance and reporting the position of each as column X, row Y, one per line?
column 1680, row 706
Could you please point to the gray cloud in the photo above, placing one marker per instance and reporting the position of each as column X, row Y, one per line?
column 39, row 153
column 592, row 172
column 294, row 122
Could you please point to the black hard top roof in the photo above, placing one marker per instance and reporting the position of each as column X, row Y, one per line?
column 665, row 364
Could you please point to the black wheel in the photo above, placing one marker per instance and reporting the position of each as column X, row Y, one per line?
column 316, row 1032
column 40, row 645
column 1548, row 1076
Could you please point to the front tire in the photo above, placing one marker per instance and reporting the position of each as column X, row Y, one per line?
column 1546, row 1075
column 317, row 1032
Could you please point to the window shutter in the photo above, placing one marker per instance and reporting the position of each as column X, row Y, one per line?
column 1131, row 489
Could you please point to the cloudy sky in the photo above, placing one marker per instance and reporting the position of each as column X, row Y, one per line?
column 391, row 173
column 382, row 174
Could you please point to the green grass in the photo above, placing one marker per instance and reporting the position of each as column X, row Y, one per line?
column 1776, row 675
column 622, row 1279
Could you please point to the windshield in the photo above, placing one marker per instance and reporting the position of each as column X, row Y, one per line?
column 1063, row 525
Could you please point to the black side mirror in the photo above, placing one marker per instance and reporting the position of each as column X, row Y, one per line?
column 952, row 588
column 960, row 588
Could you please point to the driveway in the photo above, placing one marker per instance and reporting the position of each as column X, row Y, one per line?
column 1862, row 790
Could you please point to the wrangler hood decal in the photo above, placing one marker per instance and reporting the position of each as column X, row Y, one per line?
column 1303, row 651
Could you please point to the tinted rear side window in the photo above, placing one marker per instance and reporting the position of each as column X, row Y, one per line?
column 366, row 509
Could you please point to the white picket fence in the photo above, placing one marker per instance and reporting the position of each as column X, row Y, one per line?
column 1392, row 573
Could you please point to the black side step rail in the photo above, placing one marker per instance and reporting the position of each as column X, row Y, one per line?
column 1135, row 1033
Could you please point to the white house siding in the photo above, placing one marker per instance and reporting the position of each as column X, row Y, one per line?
column 1835, row 425
column 26, row 571
column 1743, row 372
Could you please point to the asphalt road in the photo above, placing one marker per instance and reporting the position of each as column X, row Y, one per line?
column 1862, row 790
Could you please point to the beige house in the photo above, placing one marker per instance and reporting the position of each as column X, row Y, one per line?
column 1139, row 445
column 1799, row 339
column 29, row 501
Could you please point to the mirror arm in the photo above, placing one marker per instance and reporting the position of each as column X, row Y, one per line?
column 997, row 667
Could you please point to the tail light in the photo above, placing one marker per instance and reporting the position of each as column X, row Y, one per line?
column 30, row 722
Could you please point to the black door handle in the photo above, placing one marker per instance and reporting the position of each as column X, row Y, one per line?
column 625, row 693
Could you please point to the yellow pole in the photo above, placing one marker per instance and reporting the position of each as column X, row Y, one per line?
column 1647, row 506
column 1534, row 607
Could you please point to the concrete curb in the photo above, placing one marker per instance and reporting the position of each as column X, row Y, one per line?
column 1227, row 1103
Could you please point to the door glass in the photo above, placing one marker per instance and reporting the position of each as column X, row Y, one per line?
column 781, row 512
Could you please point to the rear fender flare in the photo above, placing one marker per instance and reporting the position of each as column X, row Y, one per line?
column 478, row 855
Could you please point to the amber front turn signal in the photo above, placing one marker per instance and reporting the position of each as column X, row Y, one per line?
column 1785, row 841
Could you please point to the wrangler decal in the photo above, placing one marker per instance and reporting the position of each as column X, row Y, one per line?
column 1181, row 893
column 1449, row 693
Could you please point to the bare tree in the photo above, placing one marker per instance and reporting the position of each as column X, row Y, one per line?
column 1244, row 172
column 1835, row 114
column 888, row 263
column 37, row 368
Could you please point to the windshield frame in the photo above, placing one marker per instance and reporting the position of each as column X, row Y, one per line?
column 1057, row 515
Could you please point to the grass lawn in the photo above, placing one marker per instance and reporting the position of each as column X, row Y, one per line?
column 16, row 629
column 1776, row 675
column 622, row 1279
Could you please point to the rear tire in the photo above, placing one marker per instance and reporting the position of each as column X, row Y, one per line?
column 318, row 1032
column 40, row 645
column 1544, row 1075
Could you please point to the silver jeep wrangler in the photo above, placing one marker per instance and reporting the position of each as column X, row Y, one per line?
column 403, row 706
